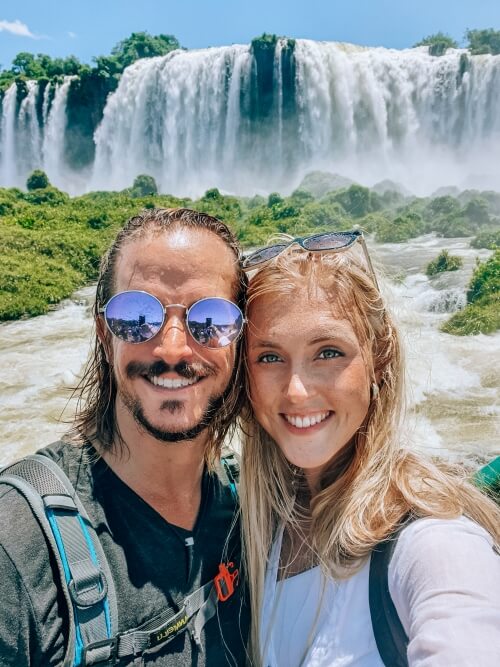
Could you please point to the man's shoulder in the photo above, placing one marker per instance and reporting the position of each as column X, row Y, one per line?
column 14, row 507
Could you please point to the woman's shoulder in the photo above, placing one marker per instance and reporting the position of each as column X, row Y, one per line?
column 445, row 567
column 432, row 547
column 433, row 533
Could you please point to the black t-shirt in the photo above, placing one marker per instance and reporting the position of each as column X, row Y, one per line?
column 152, row 566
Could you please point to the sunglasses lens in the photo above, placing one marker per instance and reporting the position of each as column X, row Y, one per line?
column 330, row 241
column 263, row 255
column 134, row 317
column 215, row 322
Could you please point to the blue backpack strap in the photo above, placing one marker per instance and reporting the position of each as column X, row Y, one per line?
column 390, row 636
column 84, row 573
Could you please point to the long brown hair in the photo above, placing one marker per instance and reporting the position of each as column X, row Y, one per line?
column 374, row 482
column 96, row 392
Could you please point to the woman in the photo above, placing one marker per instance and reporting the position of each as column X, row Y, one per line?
column 325, row 479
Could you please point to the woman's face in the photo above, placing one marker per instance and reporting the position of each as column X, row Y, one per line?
column 309, row 383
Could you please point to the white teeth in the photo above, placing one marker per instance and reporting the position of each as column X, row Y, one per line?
column 306, row 422
column 170, row 383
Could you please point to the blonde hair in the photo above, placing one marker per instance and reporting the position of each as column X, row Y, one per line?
column 373, row 483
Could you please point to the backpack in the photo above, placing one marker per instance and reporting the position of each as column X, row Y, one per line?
column 390, row 636
column 86, row 579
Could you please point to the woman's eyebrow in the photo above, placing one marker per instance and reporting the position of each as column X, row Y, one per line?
column 264, row 343
column 334, row 336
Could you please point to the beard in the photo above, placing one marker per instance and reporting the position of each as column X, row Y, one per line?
column 135, row 408
column 134, row 405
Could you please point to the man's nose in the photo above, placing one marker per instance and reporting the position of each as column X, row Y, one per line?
column 296, row 389
column 173, row 343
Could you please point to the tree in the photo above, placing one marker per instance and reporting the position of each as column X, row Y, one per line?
column 477, row 211
column 274, row 199
column 37, row 180
column 144, row 185
column 143, row 45
column 26, row 64
column 483, row 41
column 438, row 43
column 356, row 200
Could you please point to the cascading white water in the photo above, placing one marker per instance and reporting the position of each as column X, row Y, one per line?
column 367, row 113
column 53, row 139
column 374, row 113
column 172, row 117
column 200, row 119
column 28, row 133
column 25, row 144
column 8, row 164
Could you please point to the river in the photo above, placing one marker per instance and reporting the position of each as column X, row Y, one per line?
column 453, row 382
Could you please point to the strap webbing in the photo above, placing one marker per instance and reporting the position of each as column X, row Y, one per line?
column 197, row 609
column 390, row 636
column 82, row 565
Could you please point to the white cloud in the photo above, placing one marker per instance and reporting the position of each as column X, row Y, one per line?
column 17, row 28
column 73, row 35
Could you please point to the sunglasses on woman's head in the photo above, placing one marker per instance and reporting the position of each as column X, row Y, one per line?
column 329, row 241
column 136, row 317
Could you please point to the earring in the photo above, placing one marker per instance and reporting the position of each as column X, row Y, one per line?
column 374, row 391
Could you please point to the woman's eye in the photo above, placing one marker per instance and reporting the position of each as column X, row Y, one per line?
column 268, row 358
column 329, row 353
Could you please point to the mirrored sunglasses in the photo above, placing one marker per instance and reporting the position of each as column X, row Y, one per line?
column 329, row 241
column 136, row 317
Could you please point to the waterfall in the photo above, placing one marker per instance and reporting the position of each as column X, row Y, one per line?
column 177, row 119
column 53, row 140
column 8, row 175
column 257, row 118
column 28, row 136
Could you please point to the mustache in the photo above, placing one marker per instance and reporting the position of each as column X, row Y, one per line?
column 185, row 370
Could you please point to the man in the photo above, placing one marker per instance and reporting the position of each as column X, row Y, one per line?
column 158, row 404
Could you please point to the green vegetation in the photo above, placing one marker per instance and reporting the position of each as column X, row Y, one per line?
column 443, row 262
column 483, row 41
column 36, row 180
column 482, row 313
column 143, row 186
column 51, row 244
column 42, row 67
column 478, row 42
column 438, row 43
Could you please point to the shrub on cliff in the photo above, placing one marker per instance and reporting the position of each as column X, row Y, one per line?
column 144, row 186
column 438, row 43
column 36, row 180
column 483, row 41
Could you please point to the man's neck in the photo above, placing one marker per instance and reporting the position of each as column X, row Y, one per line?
column 166, row 475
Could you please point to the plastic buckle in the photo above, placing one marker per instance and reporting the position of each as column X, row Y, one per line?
column 86, row 598
column 225, row 581
column 93, row 654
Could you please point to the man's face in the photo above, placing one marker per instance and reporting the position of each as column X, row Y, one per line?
column 171, row 384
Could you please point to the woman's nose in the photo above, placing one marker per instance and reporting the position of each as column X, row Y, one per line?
column 296, row 390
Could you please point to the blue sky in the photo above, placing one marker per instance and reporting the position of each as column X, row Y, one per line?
column 93, row 27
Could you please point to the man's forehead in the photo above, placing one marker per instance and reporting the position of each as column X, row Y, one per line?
column 175, row 258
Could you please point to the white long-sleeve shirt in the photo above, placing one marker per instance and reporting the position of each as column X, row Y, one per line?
column 444, row 579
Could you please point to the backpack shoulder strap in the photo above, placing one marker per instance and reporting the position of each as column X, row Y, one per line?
column 390, row 636
column 230, row 465
column 85, row 577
